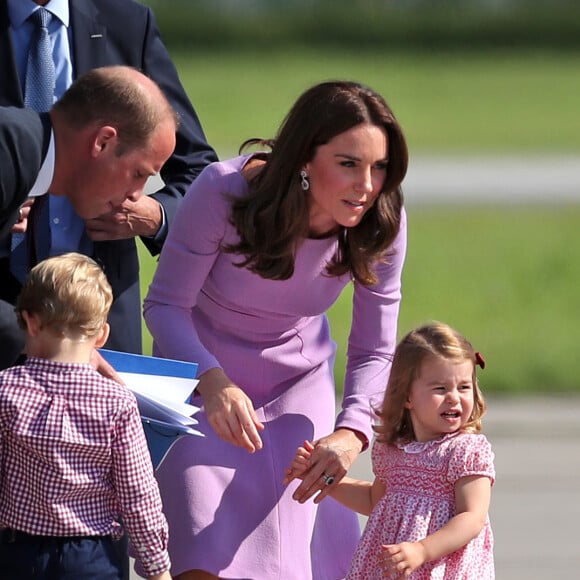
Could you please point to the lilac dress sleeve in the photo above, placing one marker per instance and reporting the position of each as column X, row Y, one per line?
column 188, row 255
column 373, row 338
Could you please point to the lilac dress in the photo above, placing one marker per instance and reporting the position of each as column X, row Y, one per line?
column 420, row 499
column 228, row 511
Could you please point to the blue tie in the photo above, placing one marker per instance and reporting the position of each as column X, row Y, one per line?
column 40, row 75
column 38, row 95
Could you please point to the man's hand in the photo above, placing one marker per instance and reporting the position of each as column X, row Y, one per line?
column 132, row 218
column 22, row 224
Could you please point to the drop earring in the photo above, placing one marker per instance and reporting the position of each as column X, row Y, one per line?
column 304, row 183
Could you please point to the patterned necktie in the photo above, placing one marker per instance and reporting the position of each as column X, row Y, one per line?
column 40, row 75
column 38, row 95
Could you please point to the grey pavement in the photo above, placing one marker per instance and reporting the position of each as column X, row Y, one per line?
column 511, row 179
column 469, row 179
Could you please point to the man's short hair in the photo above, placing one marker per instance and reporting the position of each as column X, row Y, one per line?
column 115, row 96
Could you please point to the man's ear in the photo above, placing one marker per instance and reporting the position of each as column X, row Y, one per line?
column 103, row 336
column 104, row 138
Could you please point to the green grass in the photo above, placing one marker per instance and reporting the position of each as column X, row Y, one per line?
column 507, row 277
column 421, row 25
column 447, row 103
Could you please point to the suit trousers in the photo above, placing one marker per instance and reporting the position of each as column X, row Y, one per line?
column 27, row 557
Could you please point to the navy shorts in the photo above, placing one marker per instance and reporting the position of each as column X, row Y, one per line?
column 27, row 557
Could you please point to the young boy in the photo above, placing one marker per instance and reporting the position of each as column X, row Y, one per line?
column 74, row 459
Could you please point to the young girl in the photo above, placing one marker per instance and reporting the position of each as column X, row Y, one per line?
column 433, row 471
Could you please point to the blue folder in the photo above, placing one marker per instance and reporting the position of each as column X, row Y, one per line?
column 160, row 435
column 149, row 365
column 160, row 438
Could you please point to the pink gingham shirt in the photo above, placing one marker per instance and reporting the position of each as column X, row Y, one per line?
column 74, row 459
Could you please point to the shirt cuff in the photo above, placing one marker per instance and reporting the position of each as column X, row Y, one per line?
column 162, row 231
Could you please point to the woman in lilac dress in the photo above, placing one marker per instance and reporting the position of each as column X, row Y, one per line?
column 262, row 247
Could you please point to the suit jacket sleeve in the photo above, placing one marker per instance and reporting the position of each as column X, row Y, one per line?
column 22, row 148
column 110, row 32
column 192, row 153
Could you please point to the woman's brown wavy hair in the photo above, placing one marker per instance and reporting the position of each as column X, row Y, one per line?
column 274, row 217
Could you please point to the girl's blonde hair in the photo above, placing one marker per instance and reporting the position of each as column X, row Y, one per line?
column 70, row 294
column 437, row 340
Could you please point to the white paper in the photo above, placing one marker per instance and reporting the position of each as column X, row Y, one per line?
column 162, row 398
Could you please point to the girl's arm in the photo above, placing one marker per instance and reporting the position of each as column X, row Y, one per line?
column 357, row 495
column 472, row 499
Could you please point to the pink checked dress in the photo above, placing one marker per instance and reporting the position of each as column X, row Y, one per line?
column 420, row 478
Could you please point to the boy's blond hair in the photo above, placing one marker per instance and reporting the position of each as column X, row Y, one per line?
column 70, row 294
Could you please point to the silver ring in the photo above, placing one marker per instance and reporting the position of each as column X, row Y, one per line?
column 328, row 479
column 20, row 216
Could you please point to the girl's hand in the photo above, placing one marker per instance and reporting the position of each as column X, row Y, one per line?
column 399, row 560
column 300, row 463
column 330, row 459
column 230, row 411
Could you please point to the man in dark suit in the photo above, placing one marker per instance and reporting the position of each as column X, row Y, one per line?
column 98, row 33
column 111, row 130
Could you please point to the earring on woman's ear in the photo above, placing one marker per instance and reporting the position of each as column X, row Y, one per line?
column 304, row 183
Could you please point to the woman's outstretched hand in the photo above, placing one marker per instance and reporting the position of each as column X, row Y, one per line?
column 322, row 464
column 230, row 411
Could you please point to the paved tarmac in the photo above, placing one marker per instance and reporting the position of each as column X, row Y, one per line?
column 506, row 179
column 468, row 179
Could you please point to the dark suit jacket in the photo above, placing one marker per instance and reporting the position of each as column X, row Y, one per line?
column 24, row 140
column 107, row 32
